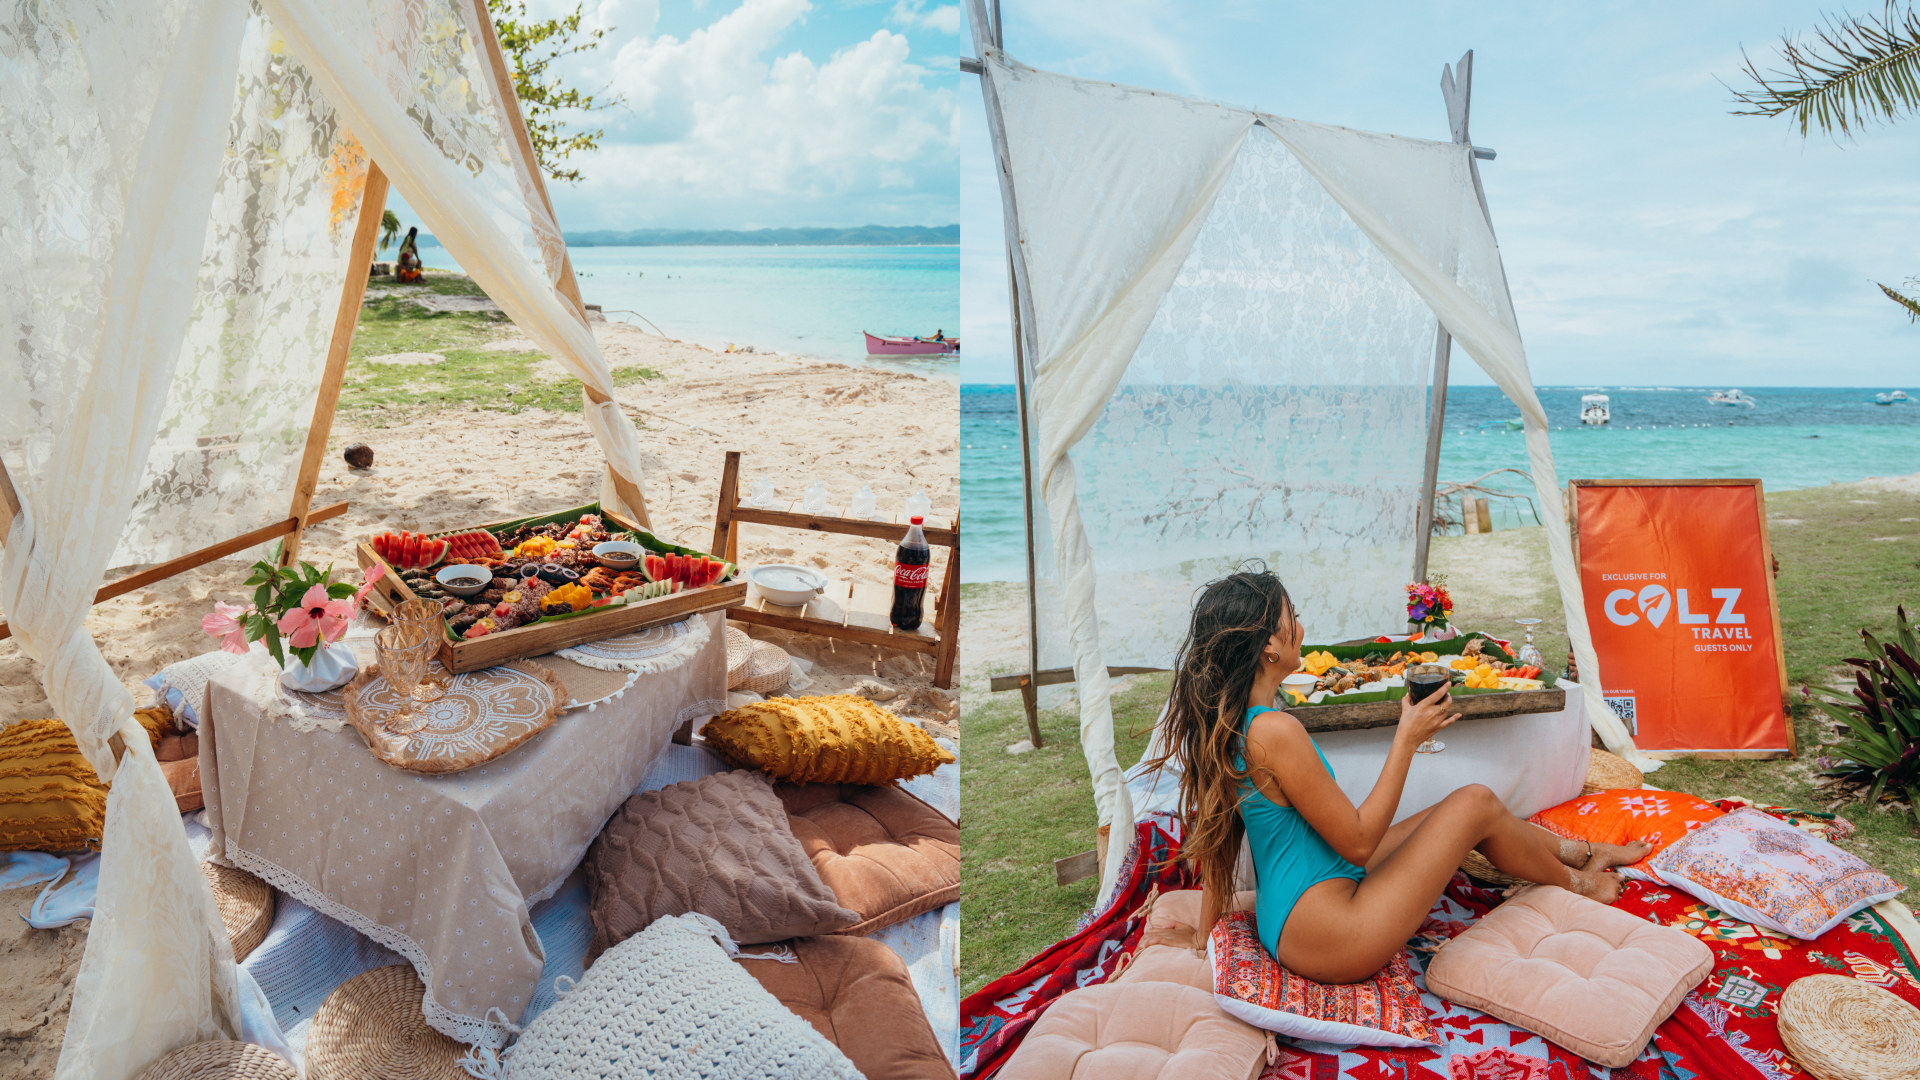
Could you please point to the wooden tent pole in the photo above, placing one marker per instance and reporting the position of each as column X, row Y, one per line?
column 373, row 203
column 9, row 503
column 569, row 287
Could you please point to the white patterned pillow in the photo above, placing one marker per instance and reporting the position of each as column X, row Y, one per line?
column 669, row 1004
column 1762, row 870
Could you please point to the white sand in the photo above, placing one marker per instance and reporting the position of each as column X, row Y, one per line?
column 795, row 421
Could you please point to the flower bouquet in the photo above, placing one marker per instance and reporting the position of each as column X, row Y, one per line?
column 1429, row 607
column 297, row 610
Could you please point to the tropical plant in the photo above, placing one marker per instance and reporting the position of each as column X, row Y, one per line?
column 1880, row 749
column 302, row 605
column 389, row 228
column 1856, row 70
column 533, row 45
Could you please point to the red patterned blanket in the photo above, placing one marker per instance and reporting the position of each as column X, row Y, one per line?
column 1725, row 1029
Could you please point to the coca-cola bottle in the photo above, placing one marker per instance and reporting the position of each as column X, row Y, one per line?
column 910, row 578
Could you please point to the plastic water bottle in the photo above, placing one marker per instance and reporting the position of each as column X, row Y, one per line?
column 918, row 504
column 815, row 501
column 863, row 502
column 762, row 492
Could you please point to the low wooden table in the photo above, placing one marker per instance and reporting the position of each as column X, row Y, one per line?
column 442, row 869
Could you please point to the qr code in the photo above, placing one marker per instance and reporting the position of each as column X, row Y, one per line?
column 1623, row 708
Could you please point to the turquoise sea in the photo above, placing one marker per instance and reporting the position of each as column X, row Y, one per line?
column 1792, row 438
column 813, row 301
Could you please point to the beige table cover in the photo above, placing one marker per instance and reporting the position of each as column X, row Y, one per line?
column 440, row 869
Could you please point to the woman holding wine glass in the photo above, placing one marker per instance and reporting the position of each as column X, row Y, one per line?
column 1340, row 888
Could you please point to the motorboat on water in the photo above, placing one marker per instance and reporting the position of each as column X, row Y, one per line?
column 1595, row 409
column 1731, row 397
column 1891, row 397
column 937, row 345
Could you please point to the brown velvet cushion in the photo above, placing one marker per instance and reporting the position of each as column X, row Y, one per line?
column 718, row 845
column 884, row 853
column 1138, row 1031
column 856, row 992
column 178, row 747
column 1586, row 976
column 183, row 777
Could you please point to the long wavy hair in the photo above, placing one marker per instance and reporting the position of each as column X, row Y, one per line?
column 1213, row 678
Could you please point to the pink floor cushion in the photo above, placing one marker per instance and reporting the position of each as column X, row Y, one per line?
column 1171, row 964
column 1591, row 978
column 1249, row 984
column 1761, row 870
column 1137, row 1031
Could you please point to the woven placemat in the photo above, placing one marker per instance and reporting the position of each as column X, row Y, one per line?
column 246, row 906
column 220, row 1060
column 739, row 652
column 1839, row 1028
column 482, row 715
column 372, row 1026
column 768, row 669
column 1610, row 772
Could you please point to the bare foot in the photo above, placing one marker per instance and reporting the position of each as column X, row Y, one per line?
column 1602, row 886
column 1608, row 856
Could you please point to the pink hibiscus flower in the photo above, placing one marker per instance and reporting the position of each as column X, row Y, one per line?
column 317, row 617
column 374, row 573
column 228, row 623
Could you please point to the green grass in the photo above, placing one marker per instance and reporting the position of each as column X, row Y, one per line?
column 471, row 378
column 1836, row 577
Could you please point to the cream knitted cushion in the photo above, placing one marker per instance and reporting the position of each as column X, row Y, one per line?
column 669, row 1004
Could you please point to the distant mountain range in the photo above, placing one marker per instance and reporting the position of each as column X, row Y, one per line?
column 872, row 235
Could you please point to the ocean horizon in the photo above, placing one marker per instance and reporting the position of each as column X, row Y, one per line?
column 1793, row 437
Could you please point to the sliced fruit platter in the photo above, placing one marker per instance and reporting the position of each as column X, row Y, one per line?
column 533, row 585
column 1360, row 685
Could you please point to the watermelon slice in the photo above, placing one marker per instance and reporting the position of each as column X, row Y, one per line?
column 409, row 550
column 433, row 552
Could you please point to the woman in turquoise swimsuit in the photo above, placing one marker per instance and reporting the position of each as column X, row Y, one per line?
column 1340, row 887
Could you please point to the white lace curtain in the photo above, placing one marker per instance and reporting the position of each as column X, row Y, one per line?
column 1230, row 329
column 181, row 181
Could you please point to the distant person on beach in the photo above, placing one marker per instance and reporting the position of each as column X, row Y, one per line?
column 1340, row 888
column 408, row 263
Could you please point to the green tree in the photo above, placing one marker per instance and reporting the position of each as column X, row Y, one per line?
column 532, row 46
column 1853, row 71
column 389, row 228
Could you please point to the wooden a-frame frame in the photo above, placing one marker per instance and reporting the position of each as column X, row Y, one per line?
column 301, row 514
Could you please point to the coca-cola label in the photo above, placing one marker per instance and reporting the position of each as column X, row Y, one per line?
column 910, row 577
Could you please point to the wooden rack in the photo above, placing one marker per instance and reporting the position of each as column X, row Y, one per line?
column 856, row 612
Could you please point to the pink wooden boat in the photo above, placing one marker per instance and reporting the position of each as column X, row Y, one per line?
column 910, row 346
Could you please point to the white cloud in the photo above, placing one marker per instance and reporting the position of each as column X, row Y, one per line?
column 722, row 126
column 916, row 14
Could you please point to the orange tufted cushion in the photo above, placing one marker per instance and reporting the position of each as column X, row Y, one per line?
column 884, row 853
column 1137, row 1031
column 1583, row 975
column 1628, row 814
column 857, row 993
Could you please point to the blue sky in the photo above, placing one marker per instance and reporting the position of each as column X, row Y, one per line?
column 760, row 113
column 1650, row 237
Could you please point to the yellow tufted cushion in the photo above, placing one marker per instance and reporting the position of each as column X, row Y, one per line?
column 50, row 797
column 1586, row 976
column 840, row 739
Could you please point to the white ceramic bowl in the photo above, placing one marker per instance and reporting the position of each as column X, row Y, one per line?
column 450, row 574
column 618, row 554
column 786, row 584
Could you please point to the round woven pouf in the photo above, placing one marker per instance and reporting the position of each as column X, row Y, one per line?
column 371, row 1028
column 1839, row 1028
column 220, row 1060
column 767, row 670
column 246, row 906
column 1610, row 772
column 1477, row 866
column 739, row 652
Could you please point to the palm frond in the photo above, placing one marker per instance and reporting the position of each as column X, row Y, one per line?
column 1856, row 70
column 1908, row 302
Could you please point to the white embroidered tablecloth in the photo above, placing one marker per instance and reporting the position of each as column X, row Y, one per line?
column 440, row 869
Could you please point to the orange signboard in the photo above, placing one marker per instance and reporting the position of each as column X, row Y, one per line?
column 1677, row 580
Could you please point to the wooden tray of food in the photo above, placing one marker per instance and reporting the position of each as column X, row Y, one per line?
column 534, row 622
column 1355, row 665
